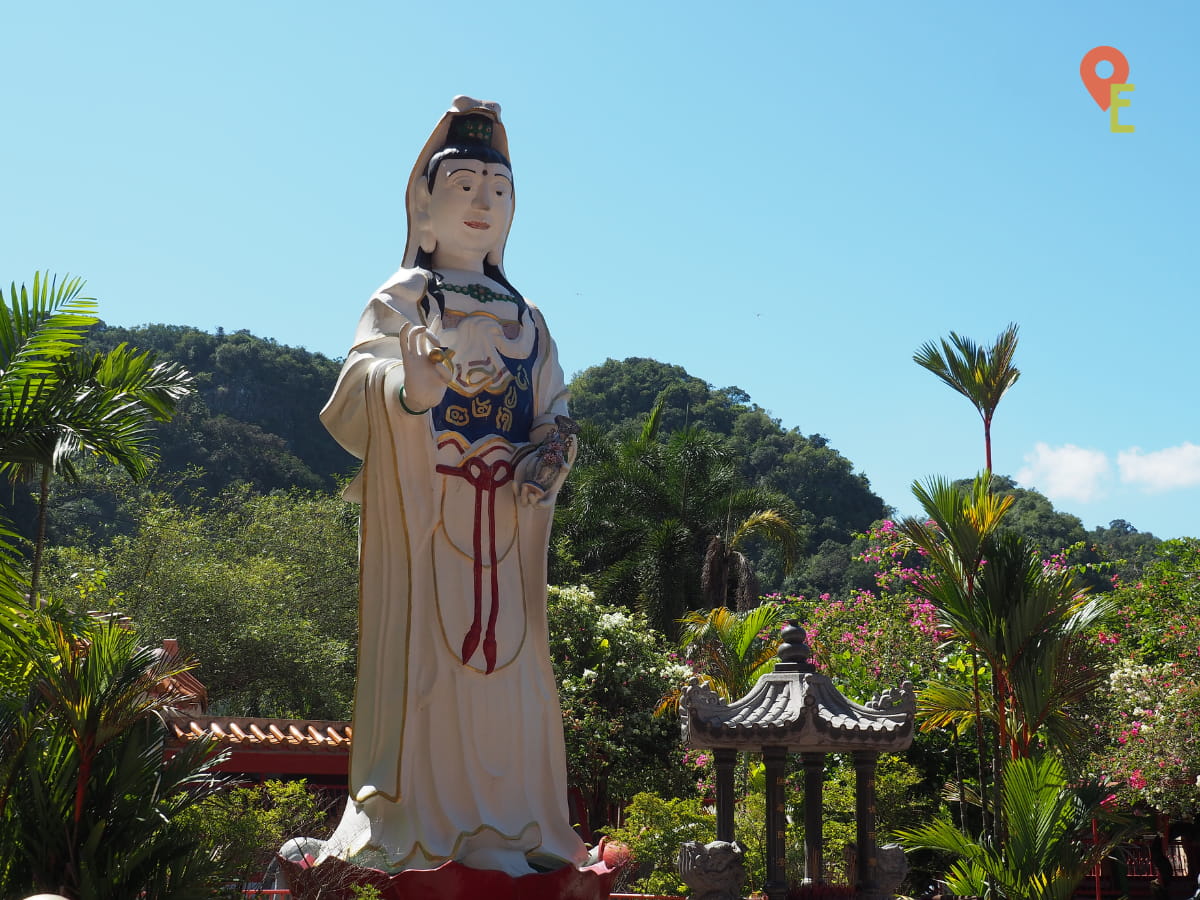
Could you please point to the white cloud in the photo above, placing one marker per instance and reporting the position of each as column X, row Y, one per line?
column 1161, row 470
column 1065, row 473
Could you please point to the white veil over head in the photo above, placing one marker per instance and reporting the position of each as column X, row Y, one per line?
column 419, row 236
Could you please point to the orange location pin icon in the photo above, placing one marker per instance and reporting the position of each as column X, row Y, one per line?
column 1099, row 87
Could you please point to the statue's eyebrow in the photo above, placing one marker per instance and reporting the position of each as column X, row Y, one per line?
column 462, row 169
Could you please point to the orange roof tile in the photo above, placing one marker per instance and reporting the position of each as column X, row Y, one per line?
column 305, row 735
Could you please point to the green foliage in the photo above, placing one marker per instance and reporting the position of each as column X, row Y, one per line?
column 1047, row 851
column 728, row 651
column 1028, row 622
column 904, row 798
column 1160, row 613
column 252, row 421
column 653, row 830
column 88, row 807
column 243, row 828
column 642, row 515
column 1151, row 747
column 58, row 403
column 831, row 500
column 262, row 590
column 1034, row 517
column 40, row 328
column 611, row 670
column 255, row 416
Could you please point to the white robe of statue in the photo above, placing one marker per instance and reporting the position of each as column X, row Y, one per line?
column 457, row 746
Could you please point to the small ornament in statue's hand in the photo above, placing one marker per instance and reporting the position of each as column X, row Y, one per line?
column 553, row 455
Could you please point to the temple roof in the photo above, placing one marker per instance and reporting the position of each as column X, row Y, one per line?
column 310, row 735
column 295, row 747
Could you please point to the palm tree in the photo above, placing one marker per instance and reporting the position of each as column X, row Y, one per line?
column 1047, row 853
column 953, row 537
column 728, row 573
column 732, row 649
column 88, row 807
column 1026, row 622
column 981, row 374
column 57, row 402
column 641, row 515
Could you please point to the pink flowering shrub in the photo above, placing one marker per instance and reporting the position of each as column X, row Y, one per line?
column 1151, row 733
column 877, row 639
column 1154, row 755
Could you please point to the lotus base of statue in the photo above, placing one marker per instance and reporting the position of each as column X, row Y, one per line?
column 335, row 879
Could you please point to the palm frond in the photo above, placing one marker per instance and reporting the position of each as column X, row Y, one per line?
column 1043, row 857
column 981, row 374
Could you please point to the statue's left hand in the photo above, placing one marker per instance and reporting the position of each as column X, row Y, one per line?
column 529, row 494
column 427, row 366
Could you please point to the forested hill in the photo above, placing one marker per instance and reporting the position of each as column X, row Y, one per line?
column 254, row 416
column 834, row 500
column 253, row 421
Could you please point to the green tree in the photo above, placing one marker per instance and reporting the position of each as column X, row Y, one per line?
column 653, row 829
column 728, row 573
column 1149, row 722
column 88, row 807
column 728, row 651
column 1027, row 622
column 981, row 374
column 244, row 827
column 953, row 538
column 611, row 669
column 58, row 403
column 262, row 590
column 640, row 514
column 830, row 499
column 254, row 415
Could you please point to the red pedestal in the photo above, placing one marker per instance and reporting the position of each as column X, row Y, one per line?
column 334, row 879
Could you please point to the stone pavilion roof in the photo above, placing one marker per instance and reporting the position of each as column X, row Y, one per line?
column 797, row 708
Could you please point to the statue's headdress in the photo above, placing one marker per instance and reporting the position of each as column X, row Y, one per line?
column 468, row 122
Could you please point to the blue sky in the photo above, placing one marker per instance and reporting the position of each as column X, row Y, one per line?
column 790, row 198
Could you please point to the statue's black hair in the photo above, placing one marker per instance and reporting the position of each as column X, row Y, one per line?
column 479, row 152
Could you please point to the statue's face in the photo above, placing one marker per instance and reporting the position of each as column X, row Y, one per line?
column 470, row 206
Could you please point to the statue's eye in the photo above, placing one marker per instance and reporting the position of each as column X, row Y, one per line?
column 466, row 187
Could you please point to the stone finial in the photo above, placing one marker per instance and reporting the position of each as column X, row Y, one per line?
column 794, row 653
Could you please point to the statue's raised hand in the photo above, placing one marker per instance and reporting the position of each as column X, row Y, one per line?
column 428, row 367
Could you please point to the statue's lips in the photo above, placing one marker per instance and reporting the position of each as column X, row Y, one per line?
column 482, row 226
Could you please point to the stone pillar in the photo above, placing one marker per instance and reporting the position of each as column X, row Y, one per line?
column 724, row 761
column 775, row 762
column 864, row 815
column 814, row 782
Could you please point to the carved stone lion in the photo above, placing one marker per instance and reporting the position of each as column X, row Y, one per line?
column 890, row 867
column 713, row 871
